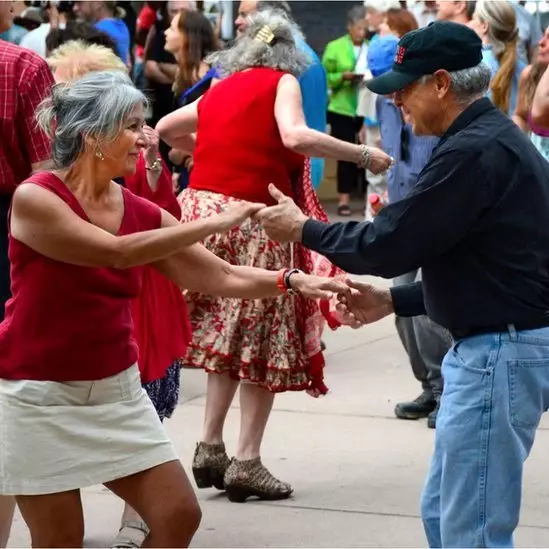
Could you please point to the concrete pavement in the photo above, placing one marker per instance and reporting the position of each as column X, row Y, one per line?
column 357, row 471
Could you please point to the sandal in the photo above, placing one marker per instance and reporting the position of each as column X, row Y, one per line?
column 131, row 535
column 344, row 210
column 209, row 465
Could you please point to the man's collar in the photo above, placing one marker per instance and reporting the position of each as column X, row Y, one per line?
column 480, row 106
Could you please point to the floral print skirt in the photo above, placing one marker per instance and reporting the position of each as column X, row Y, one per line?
column 259, row 340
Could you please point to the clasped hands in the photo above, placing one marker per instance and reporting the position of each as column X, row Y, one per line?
column 358, row 304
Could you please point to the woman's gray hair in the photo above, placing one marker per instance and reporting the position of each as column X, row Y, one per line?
column 250, row 51
column 470, row 84
column 355, row 14
column 96, row 105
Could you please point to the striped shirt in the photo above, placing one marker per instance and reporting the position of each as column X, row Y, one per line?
column 396, row 138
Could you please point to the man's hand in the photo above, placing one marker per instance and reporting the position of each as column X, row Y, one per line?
column 364, row 305
column 283, row 222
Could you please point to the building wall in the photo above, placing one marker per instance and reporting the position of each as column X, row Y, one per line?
column 321, row 21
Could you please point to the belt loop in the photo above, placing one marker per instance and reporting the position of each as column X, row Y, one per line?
column 512, row 332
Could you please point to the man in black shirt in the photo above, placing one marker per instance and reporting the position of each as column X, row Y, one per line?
column 477, row 225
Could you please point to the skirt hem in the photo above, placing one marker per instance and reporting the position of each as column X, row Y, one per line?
column 57, row 485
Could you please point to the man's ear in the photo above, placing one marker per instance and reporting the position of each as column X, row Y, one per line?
column 442, row 83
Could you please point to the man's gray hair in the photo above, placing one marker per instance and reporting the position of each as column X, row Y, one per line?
column 248, row 52
column 96, row 105
column 469, row 84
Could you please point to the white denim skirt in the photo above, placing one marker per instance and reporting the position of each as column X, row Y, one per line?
column 56, row 437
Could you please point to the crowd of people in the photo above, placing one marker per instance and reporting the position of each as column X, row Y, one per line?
column 144, row 227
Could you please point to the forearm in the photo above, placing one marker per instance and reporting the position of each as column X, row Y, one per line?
column 152, row 246
column 521, row 122
column 184, row 143
column 354, row 247
column 408, row 300
column 153, row 72
column 313, row 143
column 198, row 270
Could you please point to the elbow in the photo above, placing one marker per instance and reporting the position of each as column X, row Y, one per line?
column 540, row 115
column 296, row 140
column 119, row 255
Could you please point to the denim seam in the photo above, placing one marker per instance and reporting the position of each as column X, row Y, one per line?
column 485, row 440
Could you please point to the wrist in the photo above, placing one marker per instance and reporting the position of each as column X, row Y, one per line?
column 153, row 162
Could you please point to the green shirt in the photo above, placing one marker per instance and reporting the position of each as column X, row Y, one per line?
column 339, row 57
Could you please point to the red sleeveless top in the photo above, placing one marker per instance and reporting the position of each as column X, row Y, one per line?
column 238, row 148
column 66, row 322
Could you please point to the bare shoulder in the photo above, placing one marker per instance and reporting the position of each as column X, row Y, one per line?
column 287, row 81
column 32, row 199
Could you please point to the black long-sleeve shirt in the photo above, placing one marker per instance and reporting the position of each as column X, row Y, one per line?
column 477, row 223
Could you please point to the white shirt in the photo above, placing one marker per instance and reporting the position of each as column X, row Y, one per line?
column 35, row 40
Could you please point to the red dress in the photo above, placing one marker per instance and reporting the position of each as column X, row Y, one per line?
column 274, row 343
column 162, row 327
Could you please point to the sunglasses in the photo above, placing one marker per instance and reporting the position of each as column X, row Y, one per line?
column 404, row 143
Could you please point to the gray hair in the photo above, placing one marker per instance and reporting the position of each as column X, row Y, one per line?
column 275, row 5
column 356, row 13
column 470, row 84
column 96, row 105
column 248, row 52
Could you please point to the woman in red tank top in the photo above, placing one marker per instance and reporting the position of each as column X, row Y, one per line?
column 161, row 323
column 250, row 131
column 73, row 412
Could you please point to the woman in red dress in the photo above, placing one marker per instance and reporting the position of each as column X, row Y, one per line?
column 250, row 131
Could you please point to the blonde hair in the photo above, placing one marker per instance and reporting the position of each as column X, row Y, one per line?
column 76, row 59
column 503, row 35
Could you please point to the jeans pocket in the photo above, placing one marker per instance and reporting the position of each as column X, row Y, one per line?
column 475, row 354
column 526, row 394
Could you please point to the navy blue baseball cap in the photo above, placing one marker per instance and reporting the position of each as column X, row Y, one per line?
column 441, row 45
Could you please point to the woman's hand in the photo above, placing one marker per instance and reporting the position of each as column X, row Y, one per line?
column 380, row 161
column 151, row 151
column 316, row 287
column 234, row 215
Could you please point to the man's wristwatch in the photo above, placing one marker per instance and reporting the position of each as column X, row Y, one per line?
column 155, row 166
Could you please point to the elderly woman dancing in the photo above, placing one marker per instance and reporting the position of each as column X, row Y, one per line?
column 73, row 410
column 251, row 131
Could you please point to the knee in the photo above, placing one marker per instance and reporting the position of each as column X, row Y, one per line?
column 178, row 525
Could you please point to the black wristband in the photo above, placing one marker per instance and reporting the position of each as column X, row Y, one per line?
column 287, row 282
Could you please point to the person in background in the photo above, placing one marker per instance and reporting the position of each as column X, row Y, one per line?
column 161, row 67
column 269, row 346
column 529, row 30
column 529, row 81
column 190, row 39
column 397, row 23
column 496, row 24
column 425, row 12
column 145, row 20
column 81, row 31
column 58, row 14
column 340, row 60
column 460, row 11
column 313, row 83
column 425, row 342
column 107, row 18
column 26, row 81
column 376, row 11
column 161, row 324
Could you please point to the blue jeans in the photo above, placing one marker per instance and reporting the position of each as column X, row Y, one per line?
column 496, row 388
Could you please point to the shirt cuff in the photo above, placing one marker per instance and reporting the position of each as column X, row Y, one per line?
column 312, row 233
column 408, row 300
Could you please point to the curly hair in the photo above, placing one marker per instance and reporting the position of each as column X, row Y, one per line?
column 248, row 52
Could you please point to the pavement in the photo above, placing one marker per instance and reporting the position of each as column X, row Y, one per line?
column 357, row 471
